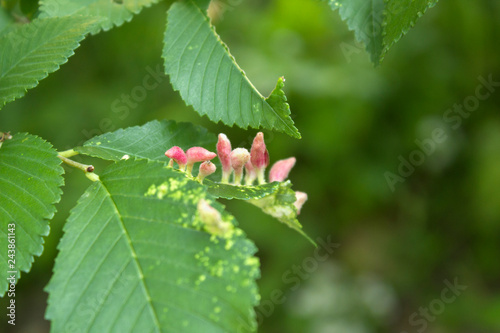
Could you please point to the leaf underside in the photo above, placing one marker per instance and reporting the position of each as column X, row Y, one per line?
column 402, row 16
column 112, row 12
column 30, row 181
column 365, row 18
column 280, row 206
column 206, row 75
column 134, row 262
column 380, row 23
column 29, row 52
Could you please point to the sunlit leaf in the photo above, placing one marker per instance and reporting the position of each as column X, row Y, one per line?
column 136, row 257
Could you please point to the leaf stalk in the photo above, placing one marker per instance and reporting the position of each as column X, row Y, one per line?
column 88, row 169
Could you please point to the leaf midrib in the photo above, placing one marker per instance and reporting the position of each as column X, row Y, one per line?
column 245, row 78
column 134, row 257
column 139, row 268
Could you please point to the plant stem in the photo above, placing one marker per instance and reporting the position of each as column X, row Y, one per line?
column 68, row 153
column 83, row 167
column 238, row 174
column 88, row 169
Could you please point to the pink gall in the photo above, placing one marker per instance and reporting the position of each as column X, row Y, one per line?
column 259, row 156
column 208, row 215
column 239, row 157
column 280, row 170
column 197, row 154
column 177, row 154
column 212, row 220
column 301, row 198
column 250, row 174
column 206, row 168
column 224, row 152
column 259, row 153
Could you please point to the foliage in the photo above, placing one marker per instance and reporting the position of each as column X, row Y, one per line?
column 114, row 13
column 202, row 69
column 31, row 51
column 137, row 253
column 133, row 259
column 147, row 142
column 380, row 23
column 30, row 179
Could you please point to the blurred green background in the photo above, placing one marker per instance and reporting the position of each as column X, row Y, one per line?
column 396, row 248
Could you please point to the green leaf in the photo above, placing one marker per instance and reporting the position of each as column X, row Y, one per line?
column 365, row 18
column 380, row 23
column 113, row 12
column 401, row 16
column 30, row 181
column 135, row 257
column 29, row 52
column 28, row 7
column 208, row 78
column 280, row 206
column 149, row 141
column 5, row 19
column 228, row 191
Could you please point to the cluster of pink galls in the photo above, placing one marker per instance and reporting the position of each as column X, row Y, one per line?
column 234, row 161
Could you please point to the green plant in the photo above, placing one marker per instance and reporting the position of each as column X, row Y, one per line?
column 148, row 248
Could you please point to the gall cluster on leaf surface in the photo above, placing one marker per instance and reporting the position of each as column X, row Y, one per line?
column 236, row 161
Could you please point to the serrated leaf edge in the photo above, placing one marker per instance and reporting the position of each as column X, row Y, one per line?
column 52, row 210
column 228, row 54
column 404, row 31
